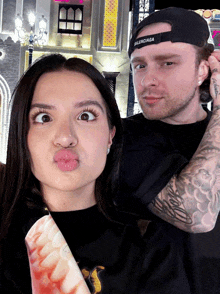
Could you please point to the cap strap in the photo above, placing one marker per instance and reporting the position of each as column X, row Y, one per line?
column 151, row 39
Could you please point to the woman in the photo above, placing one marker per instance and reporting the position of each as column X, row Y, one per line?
column 59, row 225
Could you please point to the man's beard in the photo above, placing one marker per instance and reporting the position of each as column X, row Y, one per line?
column 173, row 111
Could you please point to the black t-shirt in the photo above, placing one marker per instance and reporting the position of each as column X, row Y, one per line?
column 153, row 152
column 112, row 255
column 120, row 259
column 104, row 257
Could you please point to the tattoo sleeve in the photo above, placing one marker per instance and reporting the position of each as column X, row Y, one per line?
column 216, row 88
column 191, row 200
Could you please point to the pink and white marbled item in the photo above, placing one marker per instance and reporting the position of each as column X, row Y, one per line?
column 52, row 265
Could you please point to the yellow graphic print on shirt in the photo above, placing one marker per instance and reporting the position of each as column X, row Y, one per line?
column 92, row 277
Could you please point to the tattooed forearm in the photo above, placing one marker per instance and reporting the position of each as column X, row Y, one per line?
column 216, row 107
column 172, row 206
column 191, row 201
column 216, row 87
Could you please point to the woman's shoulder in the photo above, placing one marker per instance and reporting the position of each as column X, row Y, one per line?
column 2, row 165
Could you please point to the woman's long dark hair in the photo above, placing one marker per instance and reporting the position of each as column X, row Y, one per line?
column 19, row 186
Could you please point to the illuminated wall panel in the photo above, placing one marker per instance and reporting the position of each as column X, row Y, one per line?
column 38, row 54
column 8, row 16
column 28, row 6
column 110, row 23
column 5, row 95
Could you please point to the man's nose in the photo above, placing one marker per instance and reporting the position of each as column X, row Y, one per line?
column 149, row 78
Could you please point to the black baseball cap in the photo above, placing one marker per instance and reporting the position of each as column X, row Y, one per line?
column 187, row 26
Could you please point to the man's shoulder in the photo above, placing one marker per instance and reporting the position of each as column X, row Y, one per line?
column 135, row 122
column 134, row 118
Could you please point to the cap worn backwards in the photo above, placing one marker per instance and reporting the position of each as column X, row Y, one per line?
column 187, row 26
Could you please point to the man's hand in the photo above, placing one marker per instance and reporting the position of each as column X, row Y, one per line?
column 216, row 54
column 215, row 78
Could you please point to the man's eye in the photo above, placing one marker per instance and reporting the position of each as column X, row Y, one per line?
column 87, row 116
column 168, row 63
column 139, row 66
column 42, row 118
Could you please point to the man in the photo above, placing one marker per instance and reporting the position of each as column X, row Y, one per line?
column 169, row 59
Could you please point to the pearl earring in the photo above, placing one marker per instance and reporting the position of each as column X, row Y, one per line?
column 108, row 150
column 199, row 83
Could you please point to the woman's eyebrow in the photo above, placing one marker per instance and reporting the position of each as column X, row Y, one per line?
column 42, row 105
column 88, row 103
column 77, row 105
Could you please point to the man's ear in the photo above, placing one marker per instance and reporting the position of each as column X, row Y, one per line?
column 203, row 71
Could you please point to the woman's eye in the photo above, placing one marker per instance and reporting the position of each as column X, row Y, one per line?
column 42, row 118
column 87, row 116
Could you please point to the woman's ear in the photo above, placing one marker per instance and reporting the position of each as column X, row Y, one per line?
column 111, row 136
